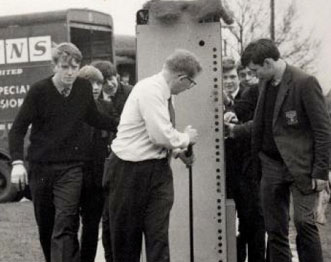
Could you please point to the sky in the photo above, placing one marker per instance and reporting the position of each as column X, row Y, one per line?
column 313, row 15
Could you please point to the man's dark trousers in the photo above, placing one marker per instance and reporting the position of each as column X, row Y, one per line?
column 276, row 186
column 243, row 187
column 56, row 190
column 106, row 239
column 92, row 201
column 251, row 222
column 140, row 200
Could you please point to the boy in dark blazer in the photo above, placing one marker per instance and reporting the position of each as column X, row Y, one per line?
column 241, row 183
column 291, row 138
column 114, row 93
column 92, row 196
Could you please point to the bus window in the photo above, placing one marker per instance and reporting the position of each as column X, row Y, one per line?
column 94, row 45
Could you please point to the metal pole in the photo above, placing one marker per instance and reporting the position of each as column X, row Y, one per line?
column 272, row 19
column 188, row 154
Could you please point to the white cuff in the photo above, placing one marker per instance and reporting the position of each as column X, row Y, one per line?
column 17, row 162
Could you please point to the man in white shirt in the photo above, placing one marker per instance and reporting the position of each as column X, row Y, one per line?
column 141, row 184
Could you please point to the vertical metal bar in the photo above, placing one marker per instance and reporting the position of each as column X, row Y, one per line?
column 272, row 19
column 189, row 153
column 191, row 215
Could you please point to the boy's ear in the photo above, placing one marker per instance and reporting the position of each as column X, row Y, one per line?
column 53, row 65
column 268, row 62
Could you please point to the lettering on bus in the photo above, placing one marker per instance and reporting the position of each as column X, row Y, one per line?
column 7, row 72
column 12, row 96
column 24, row 50
column 4, row 129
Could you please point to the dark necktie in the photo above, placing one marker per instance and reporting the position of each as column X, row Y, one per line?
column 171, row 112
column 230, row 101
column 173, row 121
column 231, row 97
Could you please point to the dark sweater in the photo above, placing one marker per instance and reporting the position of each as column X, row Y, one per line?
column 57, row 123
column 100, row 139
column 269, row 146
column 119, row 99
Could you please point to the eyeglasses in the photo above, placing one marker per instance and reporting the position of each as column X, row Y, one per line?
column 192, row 82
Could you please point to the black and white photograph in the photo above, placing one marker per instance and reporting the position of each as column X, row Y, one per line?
column 165, row 130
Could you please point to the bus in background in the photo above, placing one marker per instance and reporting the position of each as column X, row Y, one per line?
column 25, row 58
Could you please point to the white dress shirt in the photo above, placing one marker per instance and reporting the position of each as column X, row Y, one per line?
column 235, row 93
column 145, row 131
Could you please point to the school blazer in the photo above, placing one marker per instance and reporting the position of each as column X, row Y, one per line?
column 301, row 127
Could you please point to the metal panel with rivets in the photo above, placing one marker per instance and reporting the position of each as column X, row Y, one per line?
column 202, row 108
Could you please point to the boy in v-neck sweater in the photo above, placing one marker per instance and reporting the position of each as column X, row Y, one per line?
column 56, row 108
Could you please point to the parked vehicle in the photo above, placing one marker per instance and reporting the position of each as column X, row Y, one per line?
column 25, row 57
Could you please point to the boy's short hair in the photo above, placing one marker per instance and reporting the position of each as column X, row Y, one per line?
column 107, row 69
column 257, row 51
column 125, row 74
column 183, row 62
column 228, row 63
column 90, row 73
column 66, row 51
column 240, row 67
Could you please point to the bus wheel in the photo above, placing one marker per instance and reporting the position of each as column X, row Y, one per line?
column 8, row 192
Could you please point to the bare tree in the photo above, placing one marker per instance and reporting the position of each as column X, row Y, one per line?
column 252, row 21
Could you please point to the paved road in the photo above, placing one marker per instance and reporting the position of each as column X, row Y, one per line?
column 100, row 253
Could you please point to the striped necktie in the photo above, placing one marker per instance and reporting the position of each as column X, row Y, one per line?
column 65, row 91
column 230, row 95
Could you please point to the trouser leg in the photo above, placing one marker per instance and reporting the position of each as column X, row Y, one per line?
column 308, row 239
column 241, row 248
column 92, row 201
column 251, row 236
column 242, row 213
column 275, row 196
column 138, row 191
column 251, row 223
column 256, row 242
column 275, row 203
column 66, row 190
column 91, row 212
column 156, row 222
column 106, row 242
column 41, row 183
column 256, row 227
column 127, row 200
